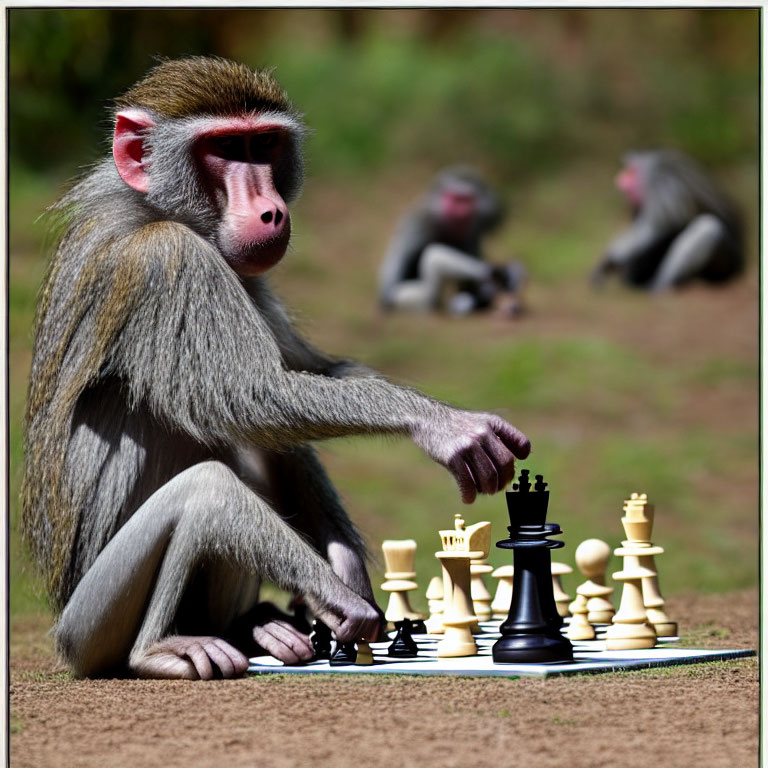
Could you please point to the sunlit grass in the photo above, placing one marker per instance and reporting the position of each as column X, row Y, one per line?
column 615, row 392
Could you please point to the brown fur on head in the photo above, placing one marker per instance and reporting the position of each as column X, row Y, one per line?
column 98, row 276
column 201, row 85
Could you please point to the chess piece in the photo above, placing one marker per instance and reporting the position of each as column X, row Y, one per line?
column 592, row 558
column 321, row 640
column 398, row 558
column 502, row 601
column 364, row 656
column 579, row 628
column 418, row 627
column 652, row 599
column 531, row 633
column 345, row 654
column 481, row 597
column 403, row 646
column 435, row 601
column 561, row 597
column 460, row 546
column 630, row 628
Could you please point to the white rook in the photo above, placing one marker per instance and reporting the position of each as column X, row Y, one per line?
column 399, row 555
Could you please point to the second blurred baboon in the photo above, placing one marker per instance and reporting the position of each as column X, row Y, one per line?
column 684, row 227
column 438, row 247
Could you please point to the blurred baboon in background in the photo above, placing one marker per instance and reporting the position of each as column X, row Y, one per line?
column 684, row 227
column 435, row 260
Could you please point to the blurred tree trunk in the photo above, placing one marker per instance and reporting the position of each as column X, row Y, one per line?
column 441, row 25
column 350, row 24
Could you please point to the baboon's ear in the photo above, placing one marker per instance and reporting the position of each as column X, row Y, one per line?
column 128, row 148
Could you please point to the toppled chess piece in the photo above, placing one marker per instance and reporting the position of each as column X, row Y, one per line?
column 531, row 633
column 403, row 646
column 364, row 657
column 321, row 640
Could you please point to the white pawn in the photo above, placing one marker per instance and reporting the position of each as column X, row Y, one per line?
column 592, row 558
column 580, row 628
column 502, row 601
column 481, row 597
column 562, row 598
column 435, row 601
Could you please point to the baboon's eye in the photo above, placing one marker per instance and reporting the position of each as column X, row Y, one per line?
column 229, row 147
column 262, row 145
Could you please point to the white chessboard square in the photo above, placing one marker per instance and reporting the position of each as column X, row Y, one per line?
column 588, row 658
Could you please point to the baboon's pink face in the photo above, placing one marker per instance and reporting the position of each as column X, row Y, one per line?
column 237, row 163
column 629, row 183
column 236, row 158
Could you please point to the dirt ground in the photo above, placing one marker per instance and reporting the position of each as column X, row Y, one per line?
column 704, row 715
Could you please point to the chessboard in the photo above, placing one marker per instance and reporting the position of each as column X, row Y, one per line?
column 589, row 657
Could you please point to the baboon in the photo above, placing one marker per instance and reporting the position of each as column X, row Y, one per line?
column 172, row 403
column 684, row 227
column 437, row 250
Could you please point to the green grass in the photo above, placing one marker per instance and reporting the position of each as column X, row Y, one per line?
column 707, row 670
column 17, row 724
column 617, row 392
column 601, row 409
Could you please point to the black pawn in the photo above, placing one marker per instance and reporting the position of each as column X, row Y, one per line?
column 403, row 646
column 346, row 653
column 321, row 640
column 419, row 627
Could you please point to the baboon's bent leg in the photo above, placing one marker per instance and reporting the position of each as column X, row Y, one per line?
column 690, row 252
column 440, row 264
column 129, row 597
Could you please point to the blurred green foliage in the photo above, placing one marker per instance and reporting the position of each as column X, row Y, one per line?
column 387, row 88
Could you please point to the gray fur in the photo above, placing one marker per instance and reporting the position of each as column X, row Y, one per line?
column 405, row 280
column 657, row 251
column 204, row 367
column 171, row 402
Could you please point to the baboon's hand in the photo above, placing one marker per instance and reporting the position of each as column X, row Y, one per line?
column 479, row 449
column 349, row 617
column 283, row 641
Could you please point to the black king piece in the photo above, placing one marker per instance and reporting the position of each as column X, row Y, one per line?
column 531, row 632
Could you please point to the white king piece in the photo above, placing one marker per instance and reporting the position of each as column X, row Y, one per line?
column 460, row 546
column 630, row 628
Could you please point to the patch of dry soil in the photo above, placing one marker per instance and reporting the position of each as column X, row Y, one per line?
column 703, row 715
